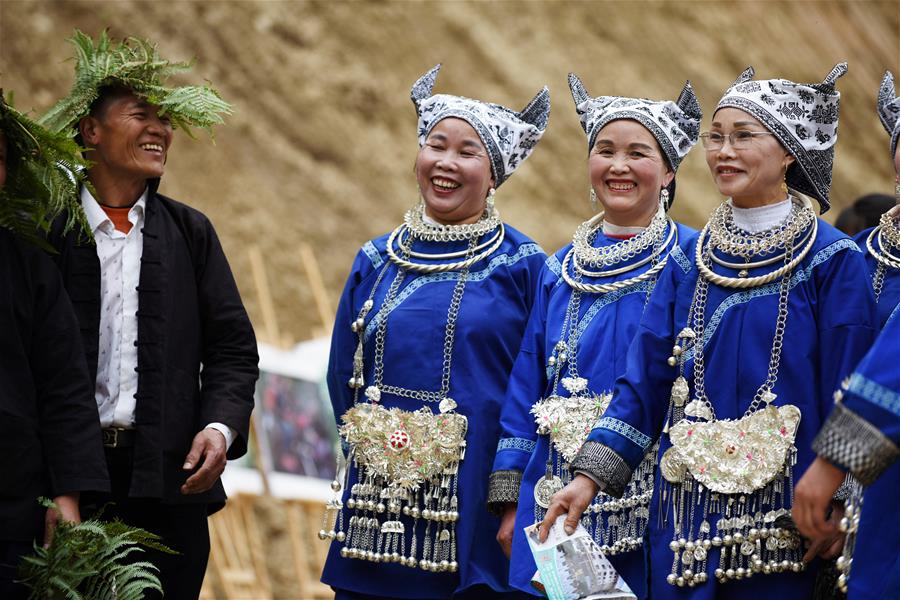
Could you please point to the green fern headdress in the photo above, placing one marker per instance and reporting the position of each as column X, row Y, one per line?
column 43, row 172
column 134, row 64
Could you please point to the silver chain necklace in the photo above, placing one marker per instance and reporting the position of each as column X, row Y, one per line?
column 405, row 266
column 588, row 254
column 727, row 237
column 888, row 234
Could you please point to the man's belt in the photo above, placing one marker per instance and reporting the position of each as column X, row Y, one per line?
column 117, row 437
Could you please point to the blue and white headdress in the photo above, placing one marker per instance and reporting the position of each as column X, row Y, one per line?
column 804, row 118
column 889, row 109
column 675, row 125
column 508, row 136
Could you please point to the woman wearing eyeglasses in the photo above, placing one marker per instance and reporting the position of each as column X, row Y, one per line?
column 592, row 295
column 734, row 366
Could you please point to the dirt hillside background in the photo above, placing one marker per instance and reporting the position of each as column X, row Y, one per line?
column 322, row 142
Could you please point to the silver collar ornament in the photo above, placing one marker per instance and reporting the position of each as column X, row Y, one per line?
column 887, row 252
column 728, row 482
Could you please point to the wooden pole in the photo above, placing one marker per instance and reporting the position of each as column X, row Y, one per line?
column 317, row 285
column 270, row 331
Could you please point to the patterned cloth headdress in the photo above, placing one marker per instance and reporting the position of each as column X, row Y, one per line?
column 675, row 125
column 804, row 118
column 508, row 136
column 133, row 64
column 889, row 109
column 43, row 172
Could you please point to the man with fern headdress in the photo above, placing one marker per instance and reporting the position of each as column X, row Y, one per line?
column 49, row 435
column 168, row 342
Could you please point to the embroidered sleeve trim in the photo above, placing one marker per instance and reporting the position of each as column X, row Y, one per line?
column 625, row 430
column 874, row 392
column 770, row 289
column 503, row 489
column 372, row 252
column 605, row 465
column 524, row 251
column 519, row 444
column 852, row 442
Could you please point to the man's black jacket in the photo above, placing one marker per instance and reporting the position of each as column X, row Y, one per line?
column 49, row 430
column 197, row 355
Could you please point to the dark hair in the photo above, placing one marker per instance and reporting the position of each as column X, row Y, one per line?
column 864, row 213
column 106, row 95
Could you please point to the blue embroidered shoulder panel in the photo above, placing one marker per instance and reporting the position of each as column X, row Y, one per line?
column 677, row 254
column 770, row 288
column 372, row 252
column 552, row 263
column 875, row 393
column 524, row 251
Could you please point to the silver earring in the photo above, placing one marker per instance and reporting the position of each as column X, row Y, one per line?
column 594, row 202
column 664, row 198
column 489, row 203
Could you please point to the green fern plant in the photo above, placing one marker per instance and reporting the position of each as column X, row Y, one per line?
column 44, row 170
column 134, row 64
column 87, row 561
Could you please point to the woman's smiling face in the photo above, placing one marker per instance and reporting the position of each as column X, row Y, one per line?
column 750, row 176
column 628, row 170
column 454, row 173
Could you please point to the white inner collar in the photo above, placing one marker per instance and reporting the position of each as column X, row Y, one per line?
column 612, row 229
column 760, row 218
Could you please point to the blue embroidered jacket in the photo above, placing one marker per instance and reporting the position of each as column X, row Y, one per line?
column 607, row 324
column 831, row 323
column 495, row 305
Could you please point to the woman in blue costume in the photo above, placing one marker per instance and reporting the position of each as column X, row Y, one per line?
column 583, row 321
column 426, row 333
column 881, row 244
column 862, row 437
column 751, row 337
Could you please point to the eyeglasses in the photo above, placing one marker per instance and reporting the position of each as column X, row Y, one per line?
column 739, row 139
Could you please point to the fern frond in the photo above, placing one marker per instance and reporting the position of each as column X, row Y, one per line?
column 89, row 561
column 134, row 64
column 44, row 172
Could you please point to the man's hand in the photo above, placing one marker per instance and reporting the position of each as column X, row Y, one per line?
column 812, row 495
column 207, row 451
column 572, row 499
column 507, row 527
column 68, row 511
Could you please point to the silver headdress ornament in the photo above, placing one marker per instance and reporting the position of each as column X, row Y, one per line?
column 508, row 136
column 889, row 109
column 804, row 118
column 675, row 125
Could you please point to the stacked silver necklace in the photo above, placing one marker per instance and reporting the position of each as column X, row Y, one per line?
column 888, row 252
column 618, row 525
column 387, row 513
column 752, row 499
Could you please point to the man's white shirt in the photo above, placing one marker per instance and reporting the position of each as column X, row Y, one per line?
column 120, row 270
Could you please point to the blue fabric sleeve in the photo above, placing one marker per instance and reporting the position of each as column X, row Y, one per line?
column 343, row 340
column 636, row 415
column 847, row 320
column 527, row 383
